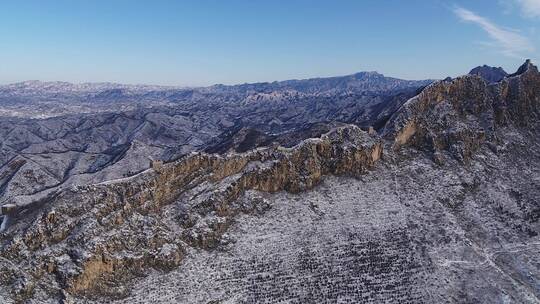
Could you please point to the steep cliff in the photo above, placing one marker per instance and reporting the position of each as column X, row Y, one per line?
column 458, row 115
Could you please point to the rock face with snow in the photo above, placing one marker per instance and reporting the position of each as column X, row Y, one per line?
column 439, row 203
column 461, row 114
column 116, row 238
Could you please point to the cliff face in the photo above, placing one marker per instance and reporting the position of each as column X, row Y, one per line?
column 459, row 115
column 449, row 212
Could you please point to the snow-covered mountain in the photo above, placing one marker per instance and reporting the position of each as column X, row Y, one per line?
column 354, row 189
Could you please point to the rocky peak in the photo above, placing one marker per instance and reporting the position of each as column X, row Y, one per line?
column 455, row 117
column 527, row 66
column 368, row 75
column 490, row 74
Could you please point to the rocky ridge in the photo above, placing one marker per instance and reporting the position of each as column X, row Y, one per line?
column 461, row 114
column 170, row 199
column 490, row 74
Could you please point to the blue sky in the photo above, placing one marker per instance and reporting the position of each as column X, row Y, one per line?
column 203, row 42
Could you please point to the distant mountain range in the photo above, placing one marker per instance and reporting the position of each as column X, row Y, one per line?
column 355, row 83
column 15, row 99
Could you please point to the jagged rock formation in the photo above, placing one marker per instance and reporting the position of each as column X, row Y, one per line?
column 490, row 74
column 459, row 115
column 443, row 207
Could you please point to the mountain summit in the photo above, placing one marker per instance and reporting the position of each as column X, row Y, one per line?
column 525, row 67
column 490, row 74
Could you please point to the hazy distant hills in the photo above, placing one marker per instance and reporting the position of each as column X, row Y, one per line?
column 57, row 98
column 355, row 83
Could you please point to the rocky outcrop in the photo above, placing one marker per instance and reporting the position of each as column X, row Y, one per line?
column 458, row 115
column 490, row 74
column 91, row 240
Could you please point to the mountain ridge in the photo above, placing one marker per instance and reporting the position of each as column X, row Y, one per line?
column 110, row 85
column 307, row 86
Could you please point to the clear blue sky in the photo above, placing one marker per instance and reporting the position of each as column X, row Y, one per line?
column 202, row 42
